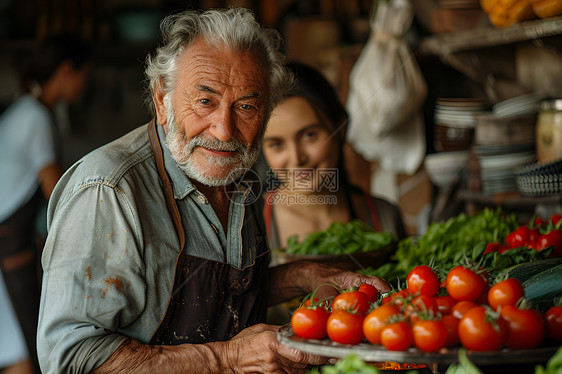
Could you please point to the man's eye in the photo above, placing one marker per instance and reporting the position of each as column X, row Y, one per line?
column 246, row 106
column 204, row 101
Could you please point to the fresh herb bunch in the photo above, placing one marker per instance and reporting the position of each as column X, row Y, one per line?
column 448, row 242
column 340, row 238
column 351, row 364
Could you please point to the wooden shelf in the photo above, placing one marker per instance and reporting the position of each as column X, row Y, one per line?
column 508, row 200
column 446, row 44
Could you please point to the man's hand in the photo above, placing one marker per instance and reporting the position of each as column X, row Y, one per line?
column 300, row 277
column 253, row 350
column 256, row 350
column 343, row 279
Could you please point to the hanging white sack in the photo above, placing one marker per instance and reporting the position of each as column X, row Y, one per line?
column 386, row 94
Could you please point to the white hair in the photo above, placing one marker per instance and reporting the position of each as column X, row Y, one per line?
column 234, row 28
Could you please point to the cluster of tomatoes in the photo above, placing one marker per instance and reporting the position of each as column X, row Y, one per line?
column 430, row 315
column 538, row 235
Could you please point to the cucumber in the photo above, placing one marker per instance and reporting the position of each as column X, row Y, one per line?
column 522, row 272
column 542, row 288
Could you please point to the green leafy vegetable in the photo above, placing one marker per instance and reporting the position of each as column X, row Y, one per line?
column 340, row 238
column 446, row 243
column 465, row 366
column 553, row 366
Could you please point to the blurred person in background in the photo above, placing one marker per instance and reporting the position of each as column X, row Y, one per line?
column 305, row 138
column 30, row 166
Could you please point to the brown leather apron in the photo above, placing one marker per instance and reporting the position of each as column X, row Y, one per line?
column 210, row 301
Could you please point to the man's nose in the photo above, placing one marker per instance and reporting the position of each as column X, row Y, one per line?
column 222, row 124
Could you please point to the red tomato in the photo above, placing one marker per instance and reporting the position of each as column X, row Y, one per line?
column 345, row 327
column 493, row 247
column 452, row 325
column 376, row 320
column 423, row 280
column 527, row 327
column 539, row 221
column 459, row 309
column 324, row 304
column 420, row 305
column 555, row 218
column 519, row 237
column 506, row 292
column 554, row 319
column 310, row 323
column 479, row 332
column 369, row 290
column 444, row 303
column 533, row 240
column 397, row 336
column 399, row 298
column 552, row 238
column 429, row 335
column 465, row 284
column 483, row 299
column 353, row 301
column 504, row 249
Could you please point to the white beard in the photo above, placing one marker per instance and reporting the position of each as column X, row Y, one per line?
column 182, row 150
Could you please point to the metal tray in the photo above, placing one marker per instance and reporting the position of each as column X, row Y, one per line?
column 372, row 353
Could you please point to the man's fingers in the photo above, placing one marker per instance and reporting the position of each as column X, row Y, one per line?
column 297, row 356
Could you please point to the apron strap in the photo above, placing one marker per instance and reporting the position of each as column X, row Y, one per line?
column 374, row 213
column 167, row 183
column 267, row 213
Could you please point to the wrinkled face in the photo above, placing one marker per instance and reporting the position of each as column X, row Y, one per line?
column 296, row 138
column 214, row 118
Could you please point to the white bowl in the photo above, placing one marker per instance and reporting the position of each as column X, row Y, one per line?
column 445, row 168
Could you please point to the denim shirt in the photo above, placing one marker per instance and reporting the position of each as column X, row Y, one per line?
column 111, row 252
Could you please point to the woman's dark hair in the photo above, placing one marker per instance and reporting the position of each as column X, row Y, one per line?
column 49, row 54
column 312, row 86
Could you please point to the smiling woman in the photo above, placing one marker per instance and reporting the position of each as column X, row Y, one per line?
column 303, row 145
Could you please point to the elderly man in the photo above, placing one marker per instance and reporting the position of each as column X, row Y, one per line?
column 156, row 259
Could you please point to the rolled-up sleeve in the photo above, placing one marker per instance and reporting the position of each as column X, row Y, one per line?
column 93, row 282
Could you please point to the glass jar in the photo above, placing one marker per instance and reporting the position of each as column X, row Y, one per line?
column 549, row 131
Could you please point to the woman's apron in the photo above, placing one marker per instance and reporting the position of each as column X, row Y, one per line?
column 209, row 301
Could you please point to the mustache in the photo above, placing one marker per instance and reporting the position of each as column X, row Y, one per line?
column 233, row 145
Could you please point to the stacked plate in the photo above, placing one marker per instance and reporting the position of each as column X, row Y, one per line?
column 454, row 122
column 540, row 179
column 510, row 132
column 505, row 141
column 497, row 170
column 522, row 105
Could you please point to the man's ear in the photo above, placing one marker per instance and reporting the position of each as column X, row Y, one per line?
column 161, row 114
